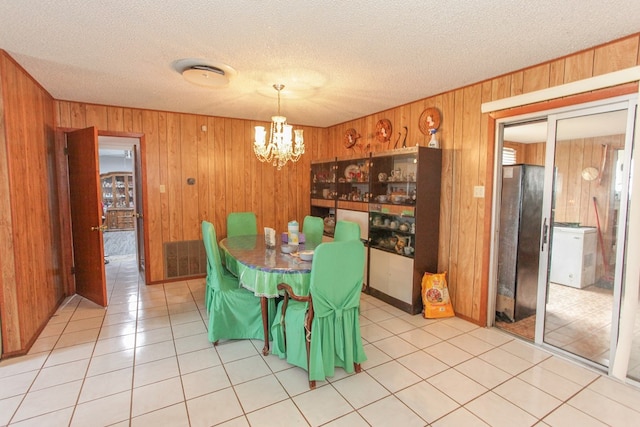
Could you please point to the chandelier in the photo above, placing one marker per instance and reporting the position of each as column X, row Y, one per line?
column 280, row 148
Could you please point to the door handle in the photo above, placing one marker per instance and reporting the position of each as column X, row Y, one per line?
column 545, row 234
column 99, row 228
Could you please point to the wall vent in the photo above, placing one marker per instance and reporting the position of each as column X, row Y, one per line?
column 184, row 259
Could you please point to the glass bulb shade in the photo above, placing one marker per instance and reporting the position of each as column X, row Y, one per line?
column 260, row 136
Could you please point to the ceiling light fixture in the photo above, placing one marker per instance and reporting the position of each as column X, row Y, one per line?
column 280, row 149
column 205, row 75
column 211, row 74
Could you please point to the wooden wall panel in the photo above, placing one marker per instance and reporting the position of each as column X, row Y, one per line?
column 32, row 282
column 556, row 73
column 446, row 131
column 174, row 178
column 115, row 118
column 220, row 158
column 189, row 171
column 156, row 201
column 615, row 56
column 578, row 67
column 536, row 78
column 534, row 153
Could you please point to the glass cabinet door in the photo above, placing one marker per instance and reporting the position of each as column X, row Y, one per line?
column 323, row 193
column 392, row 202
column 353, row 180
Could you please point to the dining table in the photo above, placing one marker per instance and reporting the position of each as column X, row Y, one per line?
column 261, row 269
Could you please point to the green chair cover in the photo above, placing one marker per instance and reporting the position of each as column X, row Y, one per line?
column 242, row 224
column 346, row 230
column 336, row 283
column 234, row 312
column 313, row 228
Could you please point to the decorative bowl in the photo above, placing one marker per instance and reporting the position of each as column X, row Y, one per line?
column 399, row 198
column 306, row 255
column 287, row 249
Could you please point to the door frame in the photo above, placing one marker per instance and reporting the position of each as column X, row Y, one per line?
column 630, row 86
column 65, row 207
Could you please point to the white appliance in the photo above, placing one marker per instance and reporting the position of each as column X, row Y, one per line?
column 573, row 256
column 361, row 218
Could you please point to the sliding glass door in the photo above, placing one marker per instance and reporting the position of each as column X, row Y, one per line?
column 572, row 174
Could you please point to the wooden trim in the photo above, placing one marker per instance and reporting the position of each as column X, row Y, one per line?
column 66, row 241
column 10, row 326
column 488, row 211
column 584, row 87
column 145, row 207
column 597, row 95
column 120, row 134
column 175, row 279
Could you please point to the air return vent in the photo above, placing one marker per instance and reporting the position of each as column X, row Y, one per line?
column 184, row 259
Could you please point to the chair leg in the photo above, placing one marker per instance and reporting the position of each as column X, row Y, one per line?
column 264, row 308
column 357, row 367
column 312, row 383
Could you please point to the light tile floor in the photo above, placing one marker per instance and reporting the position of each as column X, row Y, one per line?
column 146, row 361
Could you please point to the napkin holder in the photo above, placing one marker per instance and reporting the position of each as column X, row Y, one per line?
column 270, row 237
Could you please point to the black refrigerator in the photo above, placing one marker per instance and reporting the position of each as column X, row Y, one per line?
column 519, row 241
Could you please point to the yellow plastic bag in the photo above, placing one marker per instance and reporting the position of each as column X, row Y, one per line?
column 435, row 296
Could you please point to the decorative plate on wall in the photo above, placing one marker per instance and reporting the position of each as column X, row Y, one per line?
column 350, row 137
column 383, row 130
column 429, row 119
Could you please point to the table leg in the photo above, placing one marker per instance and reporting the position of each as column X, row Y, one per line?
column 264, row 305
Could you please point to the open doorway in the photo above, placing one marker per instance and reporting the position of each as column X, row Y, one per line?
column 117, row 181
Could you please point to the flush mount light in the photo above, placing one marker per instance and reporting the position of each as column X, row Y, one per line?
column 205, row 73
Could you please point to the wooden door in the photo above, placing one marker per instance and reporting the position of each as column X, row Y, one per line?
column 86, row 214
column 139, row 211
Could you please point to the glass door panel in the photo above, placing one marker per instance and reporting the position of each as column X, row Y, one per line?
column 581, row 312
column 521, row 198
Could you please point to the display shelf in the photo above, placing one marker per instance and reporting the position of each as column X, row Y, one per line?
column 397, row 193
column 353, row 182
column 118, row 200
column 404, row 219
column 323, row 193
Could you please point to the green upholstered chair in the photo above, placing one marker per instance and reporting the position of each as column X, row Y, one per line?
column 313, row 228
column 234, row 312
column 242, row 224
column 346, row 230
column 322, row 330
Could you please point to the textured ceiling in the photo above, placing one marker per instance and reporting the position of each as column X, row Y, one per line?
column 338, row 60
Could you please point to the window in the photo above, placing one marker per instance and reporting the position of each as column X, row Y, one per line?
column 508, row 156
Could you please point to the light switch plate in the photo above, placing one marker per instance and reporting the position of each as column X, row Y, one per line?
column 478, row 191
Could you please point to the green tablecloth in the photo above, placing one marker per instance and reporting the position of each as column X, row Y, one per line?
column 260, row 269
